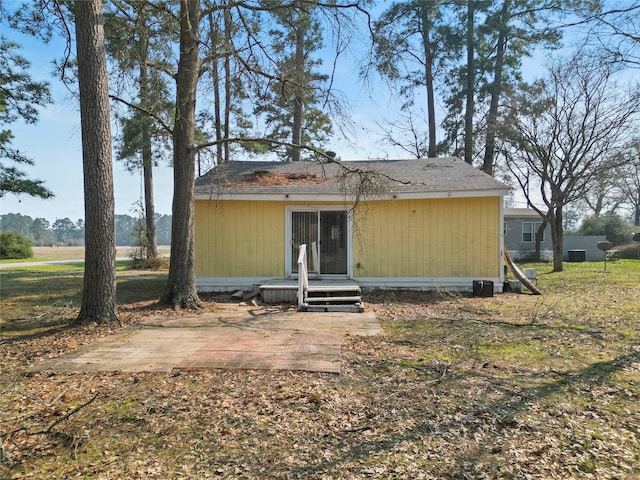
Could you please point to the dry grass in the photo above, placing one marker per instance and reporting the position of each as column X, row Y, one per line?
column 77, row 253
column 513, row 386
column 59, row 253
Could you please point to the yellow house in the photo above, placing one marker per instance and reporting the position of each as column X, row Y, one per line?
column 415, row 224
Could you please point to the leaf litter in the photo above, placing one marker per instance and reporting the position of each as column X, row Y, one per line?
column 507, row 387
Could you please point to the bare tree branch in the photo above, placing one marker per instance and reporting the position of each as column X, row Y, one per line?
column 168, row 128
column 63, row 418
column 568, row 133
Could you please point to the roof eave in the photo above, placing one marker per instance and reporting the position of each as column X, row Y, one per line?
column 341, row 197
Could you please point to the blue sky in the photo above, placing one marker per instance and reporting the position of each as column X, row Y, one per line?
column 54, row 143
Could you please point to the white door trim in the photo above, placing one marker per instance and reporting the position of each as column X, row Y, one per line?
column 289, row 209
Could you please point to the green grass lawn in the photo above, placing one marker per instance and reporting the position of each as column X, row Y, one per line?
column 5, row 261
column 121, row 265
column 38, row 297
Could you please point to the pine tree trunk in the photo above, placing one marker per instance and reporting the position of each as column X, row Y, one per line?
column 214, row 38
column 428, row 73
column 496, row 91
column 181, row 286
column 228, row 26
column 296, row 137
column 217, row 114
column 149, row 209
column 147, row 168
column 470, row 84
column 99, row 302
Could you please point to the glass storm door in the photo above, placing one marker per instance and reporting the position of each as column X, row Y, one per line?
column 325, row 234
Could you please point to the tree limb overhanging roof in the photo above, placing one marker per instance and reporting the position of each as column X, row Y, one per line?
column 417, row 176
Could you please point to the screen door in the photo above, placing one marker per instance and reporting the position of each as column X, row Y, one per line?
column 325, row 234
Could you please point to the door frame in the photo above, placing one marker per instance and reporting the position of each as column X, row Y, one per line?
column 289, row 209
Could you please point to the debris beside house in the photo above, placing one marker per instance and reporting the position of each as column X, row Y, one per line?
column 265, row 178
column 521, row 276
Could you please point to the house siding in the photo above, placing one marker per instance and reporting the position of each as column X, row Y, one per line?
column 433, row 238
column 513, row 238
column 229, row 247
column 457, row 237
column 243, row 238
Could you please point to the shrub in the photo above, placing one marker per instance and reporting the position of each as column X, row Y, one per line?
column 612, row 226
column 13, row 245
column 139, row 263
column 631, row 250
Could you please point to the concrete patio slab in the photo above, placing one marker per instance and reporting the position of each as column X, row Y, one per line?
column 249, row 338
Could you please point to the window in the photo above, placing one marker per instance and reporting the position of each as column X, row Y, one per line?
column 527, row 232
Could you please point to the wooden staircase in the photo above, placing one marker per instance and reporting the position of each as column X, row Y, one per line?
column 332, row 298
column 325, row 296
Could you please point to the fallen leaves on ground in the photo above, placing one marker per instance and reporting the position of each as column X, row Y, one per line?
column 458, row 387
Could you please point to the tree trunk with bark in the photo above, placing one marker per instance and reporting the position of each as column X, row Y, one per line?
column 227, row 83
column 538, row 238
column 214, row 38
column 217, row 114
column 149, row 208
column 147, row 167
column 470, row 84
column 428, row 74
column 181, row 286
column 99, row 302
column 496, row 91
column 555, row 221
column 296, row 137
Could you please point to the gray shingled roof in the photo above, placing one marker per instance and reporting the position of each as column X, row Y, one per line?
column 394, row 176
column 521, row 212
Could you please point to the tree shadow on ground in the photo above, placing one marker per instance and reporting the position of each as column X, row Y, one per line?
column 10, row 335
column 510, row 403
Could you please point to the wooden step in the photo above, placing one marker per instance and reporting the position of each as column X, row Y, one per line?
column 333, row 288
column 335, row 308
column 336, row 291
column 332, row 297
column 355, row 299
